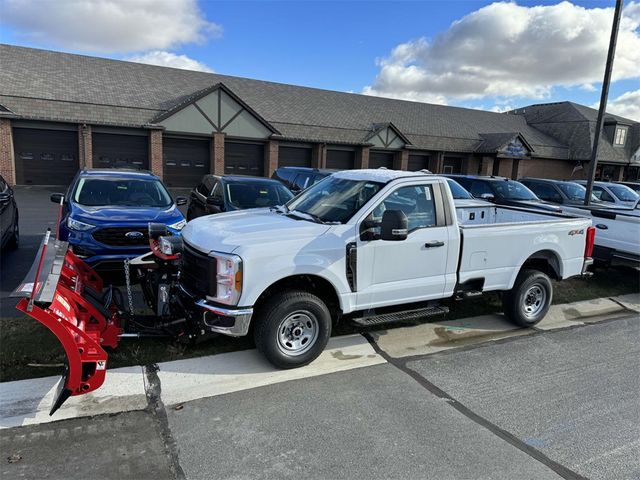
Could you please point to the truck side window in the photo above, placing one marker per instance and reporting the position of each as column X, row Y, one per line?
column 415, row 201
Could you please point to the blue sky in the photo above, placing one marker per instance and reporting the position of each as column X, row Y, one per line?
column 344, row 45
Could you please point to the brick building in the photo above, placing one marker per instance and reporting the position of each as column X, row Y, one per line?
column 59, row 112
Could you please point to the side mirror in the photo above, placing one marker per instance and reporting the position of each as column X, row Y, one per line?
column 215, row 201
column 5, row 197
column 57, row 197
column 488, row 196
column 181, row 201
column 394, row 226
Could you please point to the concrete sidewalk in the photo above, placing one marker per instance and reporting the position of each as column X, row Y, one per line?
column 27, row 402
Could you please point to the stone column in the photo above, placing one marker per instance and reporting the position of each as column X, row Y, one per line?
column 486, row 166
column 319, row 156
column 155, row 152
column 271, row 158
column 362, row 157
column 401, row 160
column 217, row 153
column 85, row 146
column 7, row 163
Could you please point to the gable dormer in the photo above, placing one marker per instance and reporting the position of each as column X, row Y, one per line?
column 617, row 132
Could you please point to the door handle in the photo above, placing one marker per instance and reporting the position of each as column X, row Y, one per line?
column 434, row 244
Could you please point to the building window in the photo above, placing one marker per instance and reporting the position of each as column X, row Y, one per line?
column 621, row 136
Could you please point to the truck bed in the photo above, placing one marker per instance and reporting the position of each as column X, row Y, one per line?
column 488, row 254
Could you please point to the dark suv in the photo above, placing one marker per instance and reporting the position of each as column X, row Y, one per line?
column 216, row 194
column 502, row 191
column 557, row 191
column 300, row 178
column 9, row 231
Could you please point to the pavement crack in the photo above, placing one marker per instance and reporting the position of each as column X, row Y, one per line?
column 401, row 364
column 156, row 406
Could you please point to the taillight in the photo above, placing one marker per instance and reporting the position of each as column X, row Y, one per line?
column 591, row 239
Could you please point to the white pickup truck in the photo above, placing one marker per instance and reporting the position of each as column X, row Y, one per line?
column 372, row 246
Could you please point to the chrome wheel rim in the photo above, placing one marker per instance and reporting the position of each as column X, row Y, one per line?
column 297, row 333
column 535, row 299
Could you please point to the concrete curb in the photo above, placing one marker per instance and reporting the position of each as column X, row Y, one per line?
column 27, row 402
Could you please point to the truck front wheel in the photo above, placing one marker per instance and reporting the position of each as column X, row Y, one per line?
column 292, row 328
column 528, row 301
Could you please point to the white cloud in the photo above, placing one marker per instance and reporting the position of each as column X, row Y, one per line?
column 505, row 50
column 626, row 105
column 109, row 26
column 168, row 59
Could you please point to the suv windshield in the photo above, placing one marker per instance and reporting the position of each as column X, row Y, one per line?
column 458, row 192
column 245, row 195
column 512, row 190
column 624, row 193
column 103, row 191
column 334, row 199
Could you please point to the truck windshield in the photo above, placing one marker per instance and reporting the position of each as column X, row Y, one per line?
column 334, row 200
column 108, row 191
column 512, row 190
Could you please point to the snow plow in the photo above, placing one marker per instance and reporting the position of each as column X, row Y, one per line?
column 70, row 299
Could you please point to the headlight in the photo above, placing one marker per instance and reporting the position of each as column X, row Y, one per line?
column 228, row 278
column 80, row 226
column 178, row 225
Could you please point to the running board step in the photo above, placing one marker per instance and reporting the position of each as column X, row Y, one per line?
column 401, row 316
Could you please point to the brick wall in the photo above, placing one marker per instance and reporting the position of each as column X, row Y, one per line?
column 85, row 146
column 155, row 152
column 271, row 158
column 7, row 165
column 401, row 160
column 554, row 169
column 217, row 154
column 485, row 167
column 362, row 157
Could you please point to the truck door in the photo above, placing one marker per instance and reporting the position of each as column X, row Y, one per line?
column 410, row 270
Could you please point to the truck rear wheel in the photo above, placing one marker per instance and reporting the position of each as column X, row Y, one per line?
column 530, row 298
column 292, row 328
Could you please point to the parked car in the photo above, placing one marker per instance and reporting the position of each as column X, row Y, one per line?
column 502, row 191
column 299, row 178
column 9, row 228
column 558, row 191
column 216, row 194
column 106, row 214
column 615, row 193
column 635, row 186
column 469, row 210
column 356, row 245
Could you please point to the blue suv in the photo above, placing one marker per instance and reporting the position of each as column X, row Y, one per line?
column 106, row 214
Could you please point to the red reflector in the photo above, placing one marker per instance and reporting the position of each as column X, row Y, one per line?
column 591, row 239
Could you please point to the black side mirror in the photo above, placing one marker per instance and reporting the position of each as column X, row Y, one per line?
column 181, row 201
column 215, row 201
column 5, row 197
column 57, row 197
column 395, row 225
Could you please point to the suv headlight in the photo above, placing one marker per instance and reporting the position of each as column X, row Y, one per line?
column 178, row 225
column 228, row 278
column 79, row 226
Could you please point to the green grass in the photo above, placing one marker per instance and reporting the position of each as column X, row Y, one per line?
column 25, row 343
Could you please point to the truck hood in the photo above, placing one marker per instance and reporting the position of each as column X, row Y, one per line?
column 225, row 232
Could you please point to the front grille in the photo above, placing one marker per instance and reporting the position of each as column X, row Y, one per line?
column 199, row 272
column 122, row 236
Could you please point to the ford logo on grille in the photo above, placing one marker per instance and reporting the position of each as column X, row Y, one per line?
column 134, row 234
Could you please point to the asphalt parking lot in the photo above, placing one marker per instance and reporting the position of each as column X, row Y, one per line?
column 558, row 404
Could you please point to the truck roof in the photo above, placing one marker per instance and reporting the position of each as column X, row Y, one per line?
column 381, row 175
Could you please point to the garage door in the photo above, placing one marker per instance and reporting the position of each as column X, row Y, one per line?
column 381, row 159
column 452, row 165
column 185, row 161
column 120, row 151
column 294, row 157
column 244, row 159
column 418, row 162
column 45, row 157
column 341, row 159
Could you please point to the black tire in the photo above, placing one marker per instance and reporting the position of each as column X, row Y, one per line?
column 530, row 298
column 296, row 315
column 14, row 241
